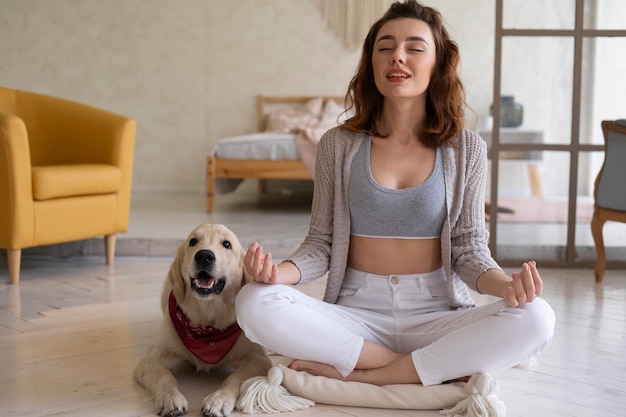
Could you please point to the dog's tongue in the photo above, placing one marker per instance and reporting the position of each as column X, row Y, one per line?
column 207, row 283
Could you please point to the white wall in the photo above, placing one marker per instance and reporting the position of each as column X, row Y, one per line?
column 189, row 71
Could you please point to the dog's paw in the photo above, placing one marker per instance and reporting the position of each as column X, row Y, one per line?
column 218, row 404
column 171, row 405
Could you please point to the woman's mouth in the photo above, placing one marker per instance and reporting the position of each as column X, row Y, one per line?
column 397, row 75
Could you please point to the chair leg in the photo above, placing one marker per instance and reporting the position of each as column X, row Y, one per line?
column 534, row 177
column 262, row 187
column 210, row 202
column 14, row 257
column 210, row 184
column 109, row 248
column 597, row 224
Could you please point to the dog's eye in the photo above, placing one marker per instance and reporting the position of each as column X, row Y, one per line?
column 227, row 244
column 193, row 241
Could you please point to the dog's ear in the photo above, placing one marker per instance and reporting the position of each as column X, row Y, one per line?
column 175, row 277
column 245, row 277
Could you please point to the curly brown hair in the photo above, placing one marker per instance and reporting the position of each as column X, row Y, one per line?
column 445, row 102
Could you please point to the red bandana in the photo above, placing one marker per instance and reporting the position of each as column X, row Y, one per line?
column 208, row 344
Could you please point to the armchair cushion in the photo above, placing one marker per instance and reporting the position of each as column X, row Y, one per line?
column 59, row 181
column 611, row 187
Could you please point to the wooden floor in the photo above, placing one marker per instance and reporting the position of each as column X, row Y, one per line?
column 72, row 331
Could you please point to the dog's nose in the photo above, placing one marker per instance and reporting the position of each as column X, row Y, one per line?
column 204, row 257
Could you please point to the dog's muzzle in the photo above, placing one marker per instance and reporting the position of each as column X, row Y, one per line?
column 204, row 283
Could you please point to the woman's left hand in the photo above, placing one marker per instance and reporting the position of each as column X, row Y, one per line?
column 525, row 287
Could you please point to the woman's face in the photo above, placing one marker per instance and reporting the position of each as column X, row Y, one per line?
column 403, row 58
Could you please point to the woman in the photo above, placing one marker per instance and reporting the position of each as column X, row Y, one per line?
column 397, row 221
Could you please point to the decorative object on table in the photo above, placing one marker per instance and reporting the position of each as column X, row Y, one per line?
column 511, row 112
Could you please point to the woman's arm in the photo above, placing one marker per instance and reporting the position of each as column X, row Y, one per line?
column 311, row 259
column 471, row 256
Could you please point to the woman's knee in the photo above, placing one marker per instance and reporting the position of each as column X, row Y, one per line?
column 539, row 319
column 257, row 301
column 249, row 298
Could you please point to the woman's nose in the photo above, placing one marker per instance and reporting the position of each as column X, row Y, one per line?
column 398, row 56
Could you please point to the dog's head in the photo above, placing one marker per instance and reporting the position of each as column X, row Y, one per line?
column 208, row 264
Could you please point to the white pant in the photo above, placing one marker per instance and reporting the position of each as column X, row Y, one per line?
column 405, row 313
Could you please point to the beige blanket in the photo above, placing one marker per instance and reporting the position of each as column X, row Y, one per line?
column 308, row 137
column 307, row 148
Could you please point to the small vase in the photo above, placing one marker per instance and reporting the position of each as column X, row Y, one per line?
column 511, row 112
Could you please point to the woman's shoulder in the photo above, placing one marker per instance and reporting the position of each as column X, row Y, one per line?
column 340, row 131
column 339, row 137
column 469, row 141
column 471, row 137
column 468, row 149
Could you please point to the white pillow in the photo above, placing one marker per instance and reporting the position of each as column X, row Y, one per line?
column 476, row 398
column 357, row 394
column 293, row 119
column 332, row 115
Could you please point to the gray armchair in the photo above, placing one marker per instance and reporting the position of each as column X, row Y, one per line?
column 610, row 188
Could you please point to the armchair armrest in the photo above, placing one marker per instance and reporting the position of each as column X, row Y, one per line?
column 16, row 197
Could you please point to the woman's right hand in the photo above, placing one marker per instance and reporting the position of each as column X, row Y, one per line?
column 259, row 265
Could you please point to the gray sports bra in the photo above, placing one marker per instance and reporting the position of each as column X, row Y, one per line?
column 408, row 213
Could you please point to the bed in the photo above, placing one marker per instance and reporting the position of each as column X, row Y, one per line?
column 283, row 147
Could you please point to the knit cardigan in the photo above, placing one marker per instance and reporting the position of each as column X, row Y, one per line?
column 464, row 238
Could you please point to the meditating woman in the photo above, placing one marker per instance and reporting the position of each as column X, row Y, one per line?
column 397, row 223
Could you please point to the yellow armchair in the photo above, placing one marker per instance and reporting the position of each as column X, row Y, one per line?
column 65, row 173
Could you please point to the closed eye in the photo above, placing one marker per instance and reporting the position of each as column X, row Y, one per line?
column 416, row 46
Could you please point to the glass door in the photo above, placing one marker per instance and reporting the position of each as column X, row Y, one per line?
column 558, row 72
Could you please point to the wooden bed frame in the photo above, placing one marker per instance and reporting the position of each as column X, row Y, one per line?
column 260, row 169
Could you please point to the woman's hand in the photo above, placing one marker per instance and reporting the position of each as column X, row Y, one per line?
column 525, row 287
column 259, row 265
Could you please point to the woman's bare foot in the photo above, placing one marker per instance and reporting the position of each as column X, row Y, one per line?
column 316, row 368
column 461, row 379
column 376, row 377
column 398, row 372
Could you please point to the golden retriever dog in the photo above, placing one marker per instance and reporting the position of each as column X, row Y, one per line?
column 199, row 324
